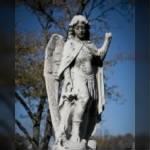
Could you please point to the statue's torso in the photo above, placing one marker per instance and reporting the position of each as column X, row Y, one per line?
column 83, row 61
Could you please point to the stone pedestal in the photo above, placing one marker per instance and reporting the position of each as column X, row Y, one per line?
column 91, row 145
column 69, row 145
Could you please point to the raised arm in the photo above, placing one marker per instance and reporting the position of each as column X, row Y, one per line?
column 103, row 50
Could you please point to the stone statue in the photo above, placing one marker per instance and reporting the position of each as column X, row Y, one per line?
column 73, row 72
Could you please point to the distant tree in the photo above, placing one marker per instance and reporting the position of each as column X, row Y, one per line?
column 120, row 142
column 30, row 83
column 54, row 16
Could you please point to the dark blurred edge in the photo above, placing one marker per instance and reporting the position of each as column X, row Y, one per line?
column 142, row 74
column 142, row 87
column 7, row 87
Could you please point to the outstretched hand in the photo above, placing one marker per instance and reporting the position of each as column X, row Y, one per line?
column 108, row 35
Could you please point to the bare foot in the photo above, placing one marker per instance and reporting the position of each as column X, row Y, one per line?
column 61, row 139
column 75, row 138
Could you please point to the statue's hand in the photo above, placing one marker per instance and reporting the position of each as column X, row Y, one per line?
column 108, row 35
column 68, row 85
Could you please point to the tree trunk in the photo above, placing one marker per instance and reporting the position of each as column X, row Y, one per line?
column 46, row 35
column 36, row 132
column 47, row 133
column 36, row 124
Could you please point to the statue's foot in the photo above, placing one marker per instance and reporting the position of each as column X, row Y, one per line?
column 61, row 140
column 57, row 147
column 71, row 145
column 91, row 145
column 75, row 139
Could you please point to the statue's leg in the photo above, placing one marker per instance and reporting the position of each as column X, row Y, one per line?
column 64, row 115
column 83, row 98
column 85, row 123
column 89, row 131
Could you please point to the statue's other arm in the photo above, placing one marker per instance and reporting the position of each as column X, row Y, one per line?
column 103, row 50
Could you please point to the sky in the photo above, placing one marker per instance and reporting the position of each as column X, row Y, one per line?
column 117, row 118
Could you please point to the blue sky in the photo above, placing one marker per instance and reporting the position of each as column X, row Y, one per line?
column 117, row 118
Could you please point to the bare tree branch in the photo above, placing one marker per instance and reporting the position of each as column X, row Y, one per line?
column 121, row 13
column 20, row 98
column 100, row 17
column 36, row 123
column 40, row 107
column 47, row 132
column 109, row 7
column 99, row 2
column 94, row 4
column 82, row 6
column 42, row 10
column 23, row 129
column 91, row 9
column 40, row 21
column 68, row 12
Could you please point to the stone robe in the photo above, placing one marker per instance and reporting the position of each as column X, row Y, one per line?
column 71, row 50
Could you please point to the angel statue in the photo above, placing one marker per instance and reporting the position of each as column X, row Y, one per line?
column 73, row 72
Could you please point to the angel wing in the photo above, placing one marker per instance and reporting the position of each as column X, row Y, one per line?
column 53, row 53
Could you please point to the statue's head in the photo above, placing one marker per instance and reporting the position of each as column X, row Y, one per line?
column 79, row 27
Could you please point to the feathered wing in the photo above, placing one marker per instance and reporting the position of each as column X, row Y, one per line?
column 53, row 54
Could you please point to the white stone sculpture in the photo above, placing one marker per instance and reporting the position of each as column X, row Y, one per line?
column 73, row 72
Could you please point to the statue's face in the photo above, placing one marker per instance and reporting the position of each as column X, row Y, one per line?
column 80, row 30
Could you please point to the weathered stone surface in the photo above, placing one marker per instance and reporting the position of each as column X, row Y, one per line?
column 75, row 104
column 92, row 145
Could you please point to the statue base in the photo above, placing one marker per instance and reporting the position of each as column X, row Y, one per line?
column 69, row 145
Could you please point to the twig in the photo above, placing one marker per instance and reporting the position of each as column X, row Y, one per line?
column 23, row 129
column 20, row 98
